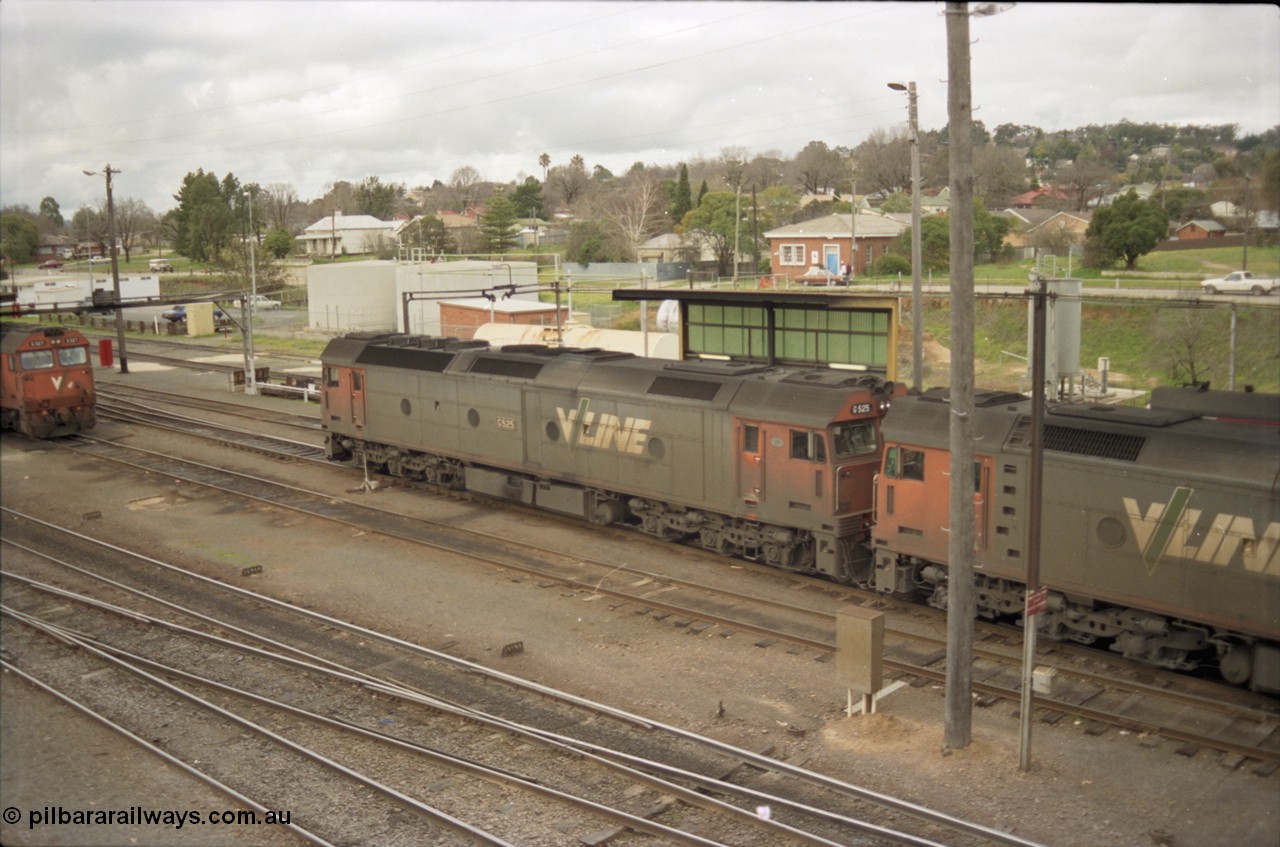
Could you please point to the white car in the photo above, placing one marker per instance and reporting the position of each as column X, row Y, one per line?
column 1241, row 282
column 262, row 302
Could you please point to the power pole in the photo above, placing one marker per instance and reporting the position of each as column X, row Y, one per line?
column 961, row 595
column 115, row 267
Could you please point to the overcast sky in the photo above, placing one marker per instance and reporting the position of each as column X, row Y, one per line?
column 309, row 93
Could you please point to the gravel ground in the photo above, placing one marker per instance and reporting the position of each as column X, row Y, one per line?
column 1083, row 791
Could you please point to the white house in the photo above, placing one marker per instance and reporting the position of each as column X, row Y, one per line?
column 345, row 235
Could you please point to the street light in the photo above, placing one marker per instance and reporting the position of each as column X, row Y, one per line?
column 917, row 308
column 115, row 268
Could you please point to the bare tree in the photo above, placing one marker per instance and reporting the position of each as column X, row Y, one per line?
column 818, row 168
column 1184, row 341
column 464, row 187
column 638, row 209
column 884, row 162
column 767, row 171
column 133, row 218
column 281, row 204
column 734, row 162
column 999, row 173
column 569, row 183
column 1085, row 179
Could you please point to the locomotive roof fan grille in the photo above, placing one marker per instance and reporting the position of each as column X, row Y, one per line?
column 1084, row 442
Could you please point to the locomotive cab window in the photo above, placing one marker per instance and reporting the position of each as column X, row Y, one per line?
column 857, row 438
column 68, row 356
column 36, row 359
column 808, row 445
column 331, row 377
column 904, row 463
column 750, row 439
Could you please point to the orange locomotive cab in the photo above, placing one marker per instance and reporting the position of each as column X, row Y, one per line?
column 47, row 381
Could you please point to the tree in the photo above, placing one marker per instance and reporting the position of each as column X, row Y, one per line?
column 681, row 200
column 1128, row 228
column 638, row 211
column 278, row 242
column 818, row 168
column 528, row 199
column 497, row 223
column 21, row 237
column 281, row 206
column 545, row 161
column 133, row 219
column 464, row 187
column 429, row 234
column 713, row 222
column 594, row 240
column 884, row 162
column 203, row 221
column 570, row 182
column 51, row 216
column 935, row 238
column 376, row 199
column 999, row 173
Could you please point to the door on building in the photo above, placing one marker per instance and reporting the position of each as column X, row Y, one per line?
column 831, row 258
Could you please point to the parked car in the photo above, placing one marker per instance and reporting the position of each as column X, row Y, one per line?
column 179, row 313
column 1241, row 282
column 97, row 260
column 161, row 265
column 51, row 263
column 261, row 301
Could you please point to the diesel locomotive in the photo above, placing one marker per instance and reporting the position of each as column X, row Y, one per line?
column 767, row 463
column 46, row 380
column 1160, row 526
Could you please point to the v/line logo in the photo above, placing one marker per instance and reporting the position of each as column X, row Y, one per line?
column 1173, row 529
column 584, row 428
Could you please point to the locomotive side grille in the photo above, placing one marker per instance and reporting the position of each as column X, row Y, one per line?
column 1084, row 442
column 505, row 367
column 405, row 357
column 689, row 389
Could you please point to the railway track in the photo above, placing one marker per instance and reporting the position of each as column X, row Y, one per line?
column 287, row 680
column 1244, row 732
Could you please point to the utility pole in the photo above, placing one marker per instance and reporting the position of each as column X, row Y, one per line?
column 917, row 306
column 961, row 594
column 115, row 267
column 1034, row 598
column 250, row 371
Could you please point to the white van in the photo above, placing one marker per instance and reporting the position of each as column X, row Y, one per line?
column 161, row 265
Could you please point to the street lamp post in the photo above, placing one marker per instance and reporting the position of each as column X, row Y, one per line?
column 115, row 268
column 917, row 307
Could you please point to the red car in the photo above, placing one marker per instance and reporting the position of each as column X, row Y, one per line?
column 52, row 263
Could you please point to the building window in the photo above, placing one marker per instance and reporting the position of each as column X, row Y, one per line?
column 791, row 254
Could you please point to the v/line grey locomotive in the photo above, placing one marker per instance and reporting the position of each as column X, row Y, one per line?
column 1161, row 527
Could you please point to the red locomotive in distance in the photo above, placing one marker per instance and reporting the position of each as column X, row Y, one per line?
column 46, row 381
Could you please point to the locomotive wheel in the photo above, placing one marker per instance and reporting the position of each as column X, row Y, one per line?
column 1236, row 665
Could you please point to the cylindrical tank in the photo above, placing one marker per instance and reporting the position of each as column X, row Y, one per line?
column 1062, row 330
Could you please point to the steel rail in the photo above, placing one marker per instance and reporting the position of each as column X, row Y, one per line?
column 604, row 756
column 169, row 758
column 758, row 760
